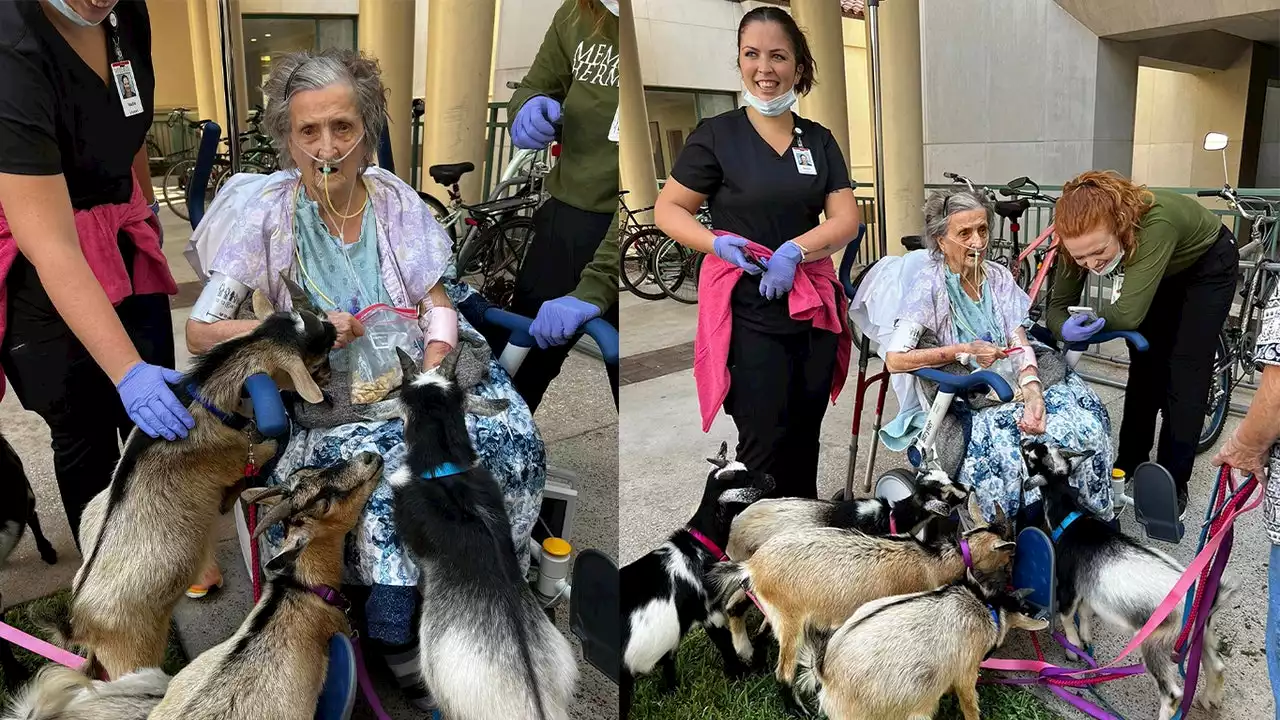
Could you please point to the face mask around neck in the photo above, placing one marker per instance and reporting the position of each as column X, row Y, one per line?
column 1111, row 266
column 611, row 6
column 65, row 10
column 771, row 108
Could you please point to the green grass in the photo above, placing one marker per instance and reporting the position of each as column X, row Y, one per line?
column 706, row 694
column 33, row 616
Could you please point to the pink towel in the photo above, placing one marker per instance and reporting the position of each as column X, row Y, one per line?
column 99, row 228
column 814, row 296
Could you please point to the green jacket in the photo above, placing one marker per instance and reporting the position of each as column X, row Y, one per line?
column 577, row 65
column 1172, row 236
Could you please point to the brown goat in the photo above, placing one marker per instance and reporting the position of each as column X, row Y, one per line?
column 147, row 536
column 821, row 576
column 275, row 663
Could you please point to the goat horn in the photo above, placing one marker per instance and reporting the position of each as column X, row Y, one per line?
column 1023, row 593
column 277, row 513
column 722, row 458
column 265, row 493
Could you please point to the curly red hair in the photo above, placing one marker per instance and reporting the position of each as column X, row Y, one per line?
column 1102, row 199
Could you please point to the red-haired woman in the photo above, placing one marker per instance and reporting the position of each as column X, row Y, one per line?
column 1179, row 265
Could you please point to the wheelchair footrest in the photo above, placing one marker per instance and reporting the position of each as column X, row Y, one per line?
column 1035, row 567
column 594, row 611
column 1155, row 503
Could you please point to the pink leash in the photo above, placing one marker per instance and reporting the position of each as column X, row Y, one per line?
column 722, row 556
column 40, row 647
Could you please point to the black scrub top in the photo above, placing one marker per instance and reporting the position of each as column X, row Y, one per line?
column 58, row 116
column 754, row 192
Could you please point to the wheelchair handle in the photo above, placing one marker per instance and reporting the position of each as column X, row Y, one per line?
column 846, row 262
column 1132, row 337
column 980, row 380
column 605, row 335
column 268, row 408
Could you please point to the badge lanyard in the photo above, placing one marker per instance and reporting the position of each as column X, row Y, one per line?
column 122, row 72
column 802, row 155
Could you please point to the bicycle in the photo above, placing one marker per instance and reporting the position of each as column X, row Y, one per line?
column 490, row 253
column 257, row 156
column 1233, row 359
column 639, row 243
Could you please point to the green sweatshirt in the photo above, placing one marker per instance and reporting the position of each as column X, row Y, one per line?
column 577, row 65
column 1174, row 233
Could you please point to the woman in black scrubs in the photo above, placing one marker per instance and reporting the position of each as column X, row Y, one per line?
column 767, row 174
column 71, row 141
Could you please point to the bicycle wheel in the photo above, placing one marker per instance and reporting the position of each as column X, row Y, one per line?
column 440, row 213
column 225, row 173
column 1215, row 417
column 675, row 270
column 498, row 259
column 175, row 187
column 637, row 263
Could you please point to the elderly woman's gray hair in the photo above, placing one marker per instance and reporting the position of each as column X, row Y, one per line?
column 935, row 222
column 300, row 71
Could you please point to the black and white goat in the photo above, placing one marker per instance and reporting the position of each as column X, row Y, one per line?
column 1104, row 571
column 897, row 656
column 664, row 592
column 487, row 649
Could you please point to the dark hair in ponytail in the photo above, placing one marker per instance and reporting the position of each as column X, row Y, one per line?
column 799, row 43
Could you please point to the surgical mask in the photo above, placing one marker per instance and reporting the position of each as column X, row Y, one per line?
column 65, row 10
column 770, row 108
column 611, row 6
column 1111, row 266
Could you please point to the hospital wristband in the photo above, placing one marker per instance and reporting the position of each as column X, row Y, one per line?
column 442, row 325
column 1028, row 380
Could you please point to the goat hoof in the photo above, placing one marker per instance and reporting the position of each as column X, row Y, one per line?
column 50, row 557
column 1072, row 657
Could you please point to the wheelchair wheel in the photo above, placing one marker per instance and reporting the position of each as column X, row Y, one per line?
column 896, row 484
column 1219, row 398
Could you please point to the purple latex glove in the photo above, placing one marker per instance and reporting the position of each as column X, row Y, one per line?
column 781, row 274
column 535, row 125
column 558, row 320
column 155, row 210
column 732, row 249
column 1078, row 328
column 151, row 404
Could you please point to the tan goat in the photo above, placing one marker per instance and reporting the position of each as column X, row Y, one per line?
column 275, row 663
column 896, row 657
column 147, row 536
column 821, row 576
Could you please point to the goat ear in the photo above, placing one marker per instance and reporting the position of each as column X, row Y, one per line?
column 486, row 407
column 1006, row 545
column 288, row 556
column 408, row 367
column 268, row 496
column 300, row 380
column 262, row 308
column 1000, row 516
column 299, row 296
column 449, row 363
column 975, row 511
column 722, row 458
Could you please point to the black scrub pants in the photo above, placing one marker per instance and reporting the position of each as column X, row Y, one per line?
column 1173, row 377
column 565, row 240
column 55, row 377
column 779, row 388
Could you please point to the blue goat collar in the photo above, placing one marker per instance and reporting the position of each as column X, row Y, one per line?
column 1066, row 522
column 232, row 420
column 995, row 616
column 443, row 470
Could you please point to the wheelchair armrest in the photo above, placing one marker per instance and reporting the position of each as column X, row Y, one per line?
column 606, row 337
column 980, row 380
column 268, row 408
column 846, row 262
column 517, row 325
column 1133, row 337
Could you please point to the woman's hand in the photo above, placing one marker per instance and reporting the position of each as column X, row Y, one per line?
column 348, row 326
column 1032, row 421
column 985, row 353
column 436, row 350
column 1243, row 457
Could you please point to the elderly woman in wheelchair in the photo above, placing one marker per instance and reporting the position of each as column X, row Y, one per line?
column 961, row 329
column 331, row 232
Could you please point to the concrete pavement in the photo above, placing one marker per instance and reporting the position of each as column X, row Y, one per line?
column 662, row 469
column 577, row 420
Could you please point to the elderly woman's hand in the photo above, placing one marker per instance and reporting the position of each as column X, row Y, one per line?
column 1243, row 457
column 348, row 326
column 1032, row 421
column 985, row 353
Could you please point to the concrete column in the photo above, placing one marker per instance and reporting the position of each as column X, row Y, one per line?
column 827, row 103
column 900, row 94
column 202, row 58
column 237, row 57
column 386, row 33
column 459, row 54
column 635, row 158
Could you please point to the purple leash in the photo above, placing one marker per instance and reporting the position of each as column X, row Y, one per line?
column 335, row 598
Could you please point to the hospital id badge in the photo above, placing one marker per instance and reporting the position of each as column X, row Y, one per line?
column 613, row 129
column 804, row 161
column 1117, row 282
column 127, row 88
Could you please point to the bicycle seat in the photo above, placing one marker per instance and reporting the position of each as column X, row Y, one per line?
column 1012, row 209
column 450, row 174
column 912, row 242
column 623, row 192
